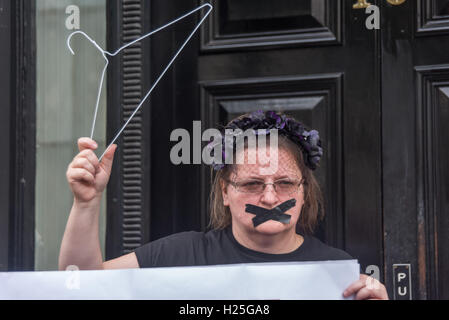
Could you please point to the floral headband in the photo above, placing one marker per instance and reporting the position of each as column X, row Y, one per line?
column 308, row 141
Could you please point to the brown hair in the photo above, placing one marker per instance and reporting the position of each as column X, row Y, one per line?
column 311, row 212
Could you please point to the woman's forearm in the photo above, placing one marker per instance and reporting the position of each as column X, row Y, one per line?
column 81, row 244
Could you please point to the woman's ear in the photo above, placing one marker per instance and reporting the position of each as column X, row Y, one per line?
column 224, row 193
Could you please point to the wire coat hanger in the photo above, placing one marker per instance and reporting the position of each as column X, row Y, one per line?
column 107, row 53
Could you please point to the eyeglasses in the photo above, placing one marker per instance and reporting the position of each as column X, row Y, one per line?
column 282, row 187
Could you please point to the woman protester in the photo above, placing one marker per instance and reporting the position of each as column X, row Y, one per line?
column 255, row 213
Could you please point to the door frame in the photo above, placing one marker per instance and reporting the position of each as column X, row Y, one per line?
column 17, row 214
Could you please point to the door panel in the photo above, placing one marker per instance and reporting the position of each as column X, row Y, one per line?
column 240, row 25
column 316, row 99
column 432, row 174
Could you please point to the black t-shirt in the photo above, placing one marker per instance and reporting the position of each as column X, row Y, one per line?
column 220, row 247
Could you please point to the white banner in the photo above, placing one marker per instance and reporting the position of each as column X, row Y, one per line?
column 324, row 280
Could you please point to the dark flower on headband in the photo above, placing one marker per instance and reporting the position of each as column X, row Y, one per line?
column 308, row 141
column 312, row 145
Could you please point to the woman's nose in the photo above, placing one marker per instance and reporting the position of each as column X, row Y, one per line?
column 269, row 195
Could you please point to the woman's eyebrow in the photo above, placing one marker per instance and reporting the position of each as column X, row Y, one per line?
column 258, row 177
column 277, row 177
column 288, row 177
column 292, row 176
column 254, row 177
column 281, row 177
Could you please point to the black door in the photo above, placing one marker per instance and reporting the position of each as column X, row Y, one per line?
column 379, row 98
column 315, row 60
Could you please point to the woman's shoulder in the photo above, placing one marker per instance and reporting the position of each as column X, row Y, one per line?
column 178, row 249
column 189, row 238
column 193, row 235
column 322, row 251
column 182, row 236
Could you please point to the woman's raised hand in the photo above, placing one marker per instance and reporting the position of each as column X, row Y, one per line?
column 87, row 177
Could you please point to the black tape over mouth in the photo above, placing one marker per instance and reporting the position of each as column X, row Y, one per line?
column 276, row 214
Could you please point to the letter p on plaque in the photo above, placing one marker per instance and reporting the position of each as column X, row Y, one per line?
column 402, row 282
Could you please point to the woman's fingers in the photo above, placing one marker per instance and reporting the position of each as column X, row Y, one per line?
column 372, row 293
column 108, row 159
column 79, row 174
column 89, row 155
column 84, row 163
column 365, row 288
column 354, row 287
column 86, row 143
column 364, row 294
